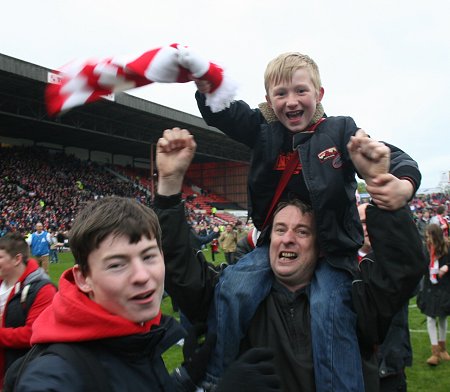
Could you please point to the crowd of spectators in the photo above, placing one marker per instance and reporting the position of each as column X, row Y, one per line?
column 425, row 209
column 430, row 202
column 37, row 185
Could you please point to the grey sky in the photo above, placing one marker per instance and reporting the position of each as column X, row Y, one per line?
column 384, row 63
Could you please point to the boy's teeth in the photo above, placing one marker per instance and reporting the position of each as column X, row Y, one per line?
column 143, row 296
column 294, row 114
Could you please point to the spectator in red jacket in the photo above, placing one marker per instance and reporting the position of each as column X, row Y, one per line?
column 25, row 291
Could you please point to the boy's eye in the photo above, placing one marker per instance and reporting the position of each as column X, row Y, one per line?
column 150, row 257
column 279, row 93
column 115, row 265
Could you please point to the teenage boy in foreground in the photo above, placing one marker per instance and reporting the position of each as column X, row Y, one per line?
column 109, row 303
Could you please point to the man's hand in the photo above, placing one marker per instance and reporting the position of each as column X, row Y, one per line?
column 389, row 192
column 174, row 153
column 254, row 371
column 370, row 157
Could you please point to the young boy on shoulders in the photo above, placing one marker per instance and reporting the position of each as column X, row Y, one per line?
column 330, row 151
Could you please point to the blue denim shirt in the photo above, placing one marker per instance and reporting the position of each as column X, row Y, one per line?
column 236, row 299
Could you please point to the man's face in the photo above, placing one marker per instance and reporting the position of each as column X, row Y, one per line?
column 229, row 228
column 39, row 227
column 295, row 102
column 293, row 249
column 125, row 279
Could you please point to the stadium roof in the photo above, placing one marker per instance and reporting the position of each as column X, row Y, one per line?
column 127, row 126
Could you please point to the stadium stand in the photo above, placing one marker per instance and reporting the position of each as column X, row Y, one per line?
column 39, row 185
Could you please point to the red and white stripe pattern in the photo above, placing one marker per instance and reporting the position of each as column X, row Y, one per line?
column 87, row 81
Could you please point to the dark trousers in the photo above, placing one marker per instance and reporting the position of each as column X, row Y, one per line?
column 229, row 257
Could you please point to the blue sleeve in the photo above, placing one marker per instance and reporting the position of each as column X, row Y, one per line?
column 50, row 373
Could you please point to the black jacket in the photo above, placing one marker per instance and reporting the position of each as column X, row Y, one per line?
column 132, row 363
column 388, row 279
column 377, row 297
column 327, row 178
column 396, row 352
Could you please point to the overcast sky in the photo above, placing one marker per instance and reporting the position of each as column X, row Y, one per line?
column 386, row 63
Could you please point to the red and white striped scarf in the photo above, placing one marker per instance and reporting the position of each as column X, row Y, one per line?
column 434, row 266
column 82, row 82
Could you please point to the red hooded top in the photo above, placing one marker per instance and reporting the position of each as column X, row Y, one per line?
column 19, row 337
column 74, row 317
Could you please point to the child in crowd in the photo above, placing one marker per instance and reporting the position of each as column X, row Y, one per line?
column 25, row 291
column 330, row 150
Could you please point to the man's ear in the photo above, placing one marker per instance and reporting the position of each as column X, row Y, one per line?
column 81, row 281
column 268, row 101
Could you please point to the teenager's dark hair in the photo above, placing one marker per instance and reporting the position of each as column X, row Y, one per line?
column 14, row 244
column 119, row 216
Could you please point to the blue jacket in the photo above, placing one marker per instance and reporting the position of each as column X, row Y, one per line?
column 39, row 244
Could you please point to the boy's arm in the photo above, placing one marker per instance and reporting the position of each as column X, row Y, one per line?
column 239, row 121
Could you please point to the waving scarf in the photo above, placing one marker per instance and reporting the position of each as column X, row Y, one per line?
column 81, row 82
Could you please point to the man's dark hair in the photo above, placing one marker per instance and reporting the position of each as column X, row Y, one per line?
column 14, row 244
column 305, row 208
column 119, row 216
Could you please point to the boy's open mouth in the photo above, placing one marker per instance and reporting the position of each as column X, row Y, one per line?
column 295, row 114
column 143, row 295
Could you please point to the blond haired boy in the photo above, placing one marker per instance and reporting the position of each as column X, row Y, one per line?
column 331, row 150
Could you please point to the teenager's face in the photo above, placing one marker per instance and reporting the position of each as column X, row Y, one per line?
column 293, row 249
column 295, row 102
column 125, row 279
column 7, row 264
